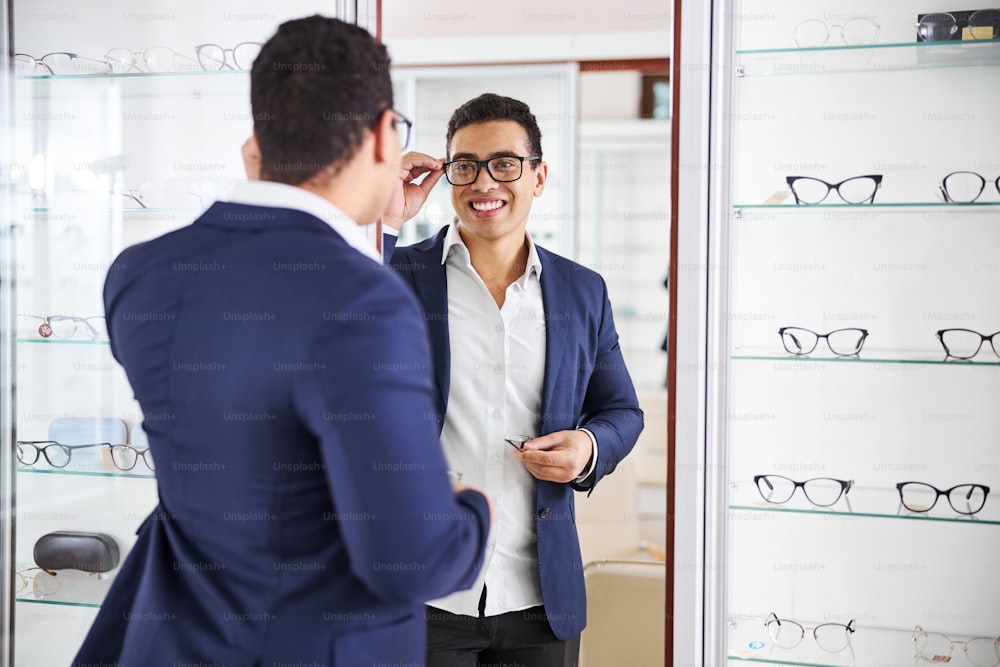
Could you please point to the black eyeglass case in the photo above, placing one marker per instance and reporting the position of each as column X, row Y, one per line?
column 72, row 550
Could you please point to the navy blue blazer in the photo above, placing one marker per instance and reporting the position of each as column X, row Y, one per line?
column 305, row 511
column 586, row 385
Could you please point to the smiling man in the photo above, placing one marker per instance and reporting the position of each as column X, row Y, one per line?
column 524, row 343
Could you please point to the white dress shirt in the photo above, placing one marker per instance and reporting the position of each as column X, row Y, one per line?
column 497, row 370
column 280, row 195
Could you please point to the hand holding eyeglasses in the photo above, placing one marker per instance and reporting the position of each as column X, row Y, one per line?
column 557, row 457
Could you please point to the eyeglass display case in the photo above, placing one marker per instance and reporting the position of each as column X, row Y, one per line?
column 905, row 587
column 130, row 137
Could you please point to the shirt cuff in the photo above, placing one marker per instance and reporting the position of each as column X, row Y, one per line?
column 593, row 461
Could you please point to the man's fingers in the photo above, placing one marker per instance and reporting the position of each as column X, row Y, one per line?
column 428, row 183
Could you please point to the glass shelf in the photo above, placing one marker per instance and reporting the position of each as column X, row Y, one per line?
column 134, row 75
column 49, row 341
column 863, row 501
column 750, row 642
column 792, row 207
column 910, row 56
column 80, row 589
column 868, row 356
column 128, row 474
column 145, row 84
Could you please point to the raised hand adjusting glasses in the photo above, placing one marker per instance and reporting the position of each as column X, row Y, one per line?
column 937, row 648
column 842, row 342
column 820, row 491
column 854, row 190
column 831, row 637
column 922, row 497
column 964, row 187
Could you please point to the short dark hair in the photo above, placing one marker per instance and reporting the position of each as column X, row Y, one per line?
column 316, row 87
column 490, row 106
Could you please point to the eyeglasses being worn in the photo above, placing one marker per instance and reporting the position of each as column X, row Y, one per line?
column 842, row 342
column 59, row 62
column 154, row 59
column 922, row 497
column 937, row 648
column 504, row 169
column 213, row 57
column 965, row 343
column 964, row 187
column 831, row 637
column 854, row 190
column 942, row 26
column 820, row 491
column 404, row 127
column 855, row 31
column 65, row 327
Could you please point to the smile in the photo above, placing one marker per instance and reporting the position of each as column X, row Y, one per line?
column 491, row 205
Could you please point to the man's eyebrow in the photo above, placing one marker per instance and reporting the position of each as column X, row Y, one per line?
column 473, row 156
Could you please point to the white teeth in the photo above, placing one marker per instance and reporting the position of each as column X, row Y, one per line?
column 487, row 205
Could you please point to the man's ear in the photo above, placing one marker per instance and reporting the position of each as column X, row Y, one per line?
column 540, row 173
column 387, row 143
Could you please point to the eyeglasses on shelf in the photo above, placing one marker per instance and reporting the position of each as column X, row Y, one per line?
column 942, row 26
column 854, row 31
column 213, row 57
column 58, row 455
column 58, row 62
column 937, row 648
column 964, row 187
column 126, row 456
column 65, row 327
column 854, row 190
column 46, row 583
column 152, row 59
column 842, row 342
column 922, row 497
column 831, row 637
column 504, row 169
column 820, row 491
column 966, row 343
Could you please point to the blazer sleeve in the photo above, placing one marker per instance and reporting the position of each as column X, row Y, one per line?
column 610, row 407
column 370, row 404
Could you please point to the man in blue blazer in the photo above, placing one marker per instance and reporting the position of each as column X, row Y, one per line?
column 524, row 344
column 305, row 510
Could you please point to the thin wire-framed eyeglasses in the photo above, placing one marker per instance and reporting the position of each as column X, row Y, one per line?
column 937, row 648
column 842, row 342
column 964, row 187
column 58, row 63
column 922, row 497
column 854, row 190
column 820, row 491
column 503, row 169
column 214, row 58
column 966, row 343
column 854, row 31
column 46, row 583
column 831, row 637
column 941, row 26
column 153, row 58
column 65, row 327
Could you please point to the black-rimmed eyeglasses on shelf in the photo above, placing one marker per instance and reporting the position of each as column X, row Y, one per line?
column 58, row 455
column 854, row 190
column 937, row 648
column 842, row 342
column 941, row 26
column 504, row 169
column 922, row 497
column 820, row 491
column 831, row 637
column 966, row 343
column 964, row 187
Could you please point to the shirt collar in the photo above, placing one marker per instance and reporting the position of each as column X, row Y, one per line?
column 453, row 240
column 280, row 195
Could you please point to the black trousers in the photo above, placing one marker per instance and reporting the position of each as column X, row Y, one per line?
column 516, row 639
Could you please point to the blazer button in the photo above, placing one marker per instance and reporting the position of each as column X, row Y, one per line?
column 543, row 513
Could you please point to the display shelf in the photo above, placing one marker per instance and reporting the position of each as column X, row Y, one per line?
column 750, row 642
column 897, row 57
column 867, row 356
column 792, row 207
column 861, row 501
column 80, row 589
column 128, row 474
column 49, row 341
column 146, row 84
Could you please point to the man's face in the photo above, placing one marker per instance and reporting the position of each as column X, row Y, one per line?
column 488, row 209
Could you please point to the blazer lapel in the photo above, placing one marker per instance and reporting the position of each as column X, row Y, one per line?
column 555, row 301
column 432, row 289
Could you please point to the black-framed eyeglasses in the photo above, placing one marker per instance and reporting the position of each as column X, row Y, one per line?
column 966, row 343
column 212, row 57
column 404, row 127
column 842, row 342
column 820, row 491
column 964, row 187
column 937, row 648
column 57, row 454
column 126, row 456
column 854, row 190
column 517, row 441
column 503, row 169
column 982, row 24
column 831, row 637
column 922, row 497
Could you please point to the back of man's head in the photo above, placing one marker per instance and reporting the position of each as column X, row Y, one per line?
column 488, row 107
column 317, row 86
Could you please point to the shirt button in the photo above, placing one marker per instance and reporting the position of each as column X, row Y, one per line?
column 495, row 459
column 543, row 513
column 498, row 327
column 497, row 414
